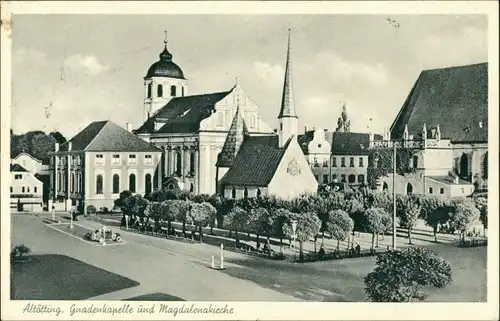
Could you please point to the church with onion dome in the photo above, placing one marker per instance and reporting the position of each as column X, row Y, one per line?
column 196, row 133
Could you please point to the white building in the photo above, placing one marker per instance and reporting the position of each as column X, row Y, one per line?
column 25, row 189
column 30, row 163
column 268, row 164
column 191, row 129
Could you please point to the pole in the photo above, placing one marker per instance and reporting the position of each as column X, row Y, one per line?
column 222, row 256
column 213, row 262
column 71, row 219
column 394, row 196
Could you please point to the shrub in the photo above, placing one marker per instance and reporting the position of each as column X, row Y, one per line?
column 91, row 209
column 105, row 210
column 18, row 252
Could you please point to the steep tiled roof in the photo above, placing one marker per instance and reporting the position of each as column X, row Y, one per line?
column 456, row 98
column 342, row 143
column 17, row 168
column 183, row 114
column 234, row 140
column 256, row 162
column 107, row 136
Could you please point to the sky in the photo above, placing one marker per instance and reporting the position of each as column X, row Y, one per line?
column 70, row 70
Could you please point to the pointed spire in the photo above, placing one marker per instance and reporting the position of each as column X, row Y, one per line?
column 424, row 131
column 237, row 133
column 287, row 102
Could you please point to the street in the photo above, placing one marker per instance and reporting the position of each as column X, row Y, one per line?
column 169, row 269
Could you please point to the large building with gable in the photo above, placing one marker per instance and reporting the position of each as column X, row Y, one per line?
column 447, row 108
column 191, row 129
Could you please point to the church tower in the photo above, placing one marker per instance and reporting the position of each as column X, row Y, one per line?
column 164, row 81
column 288, row 119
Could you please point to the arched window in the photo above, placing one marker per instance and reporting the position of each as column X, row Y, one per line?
column 464, row 166
column 233, row 193
column 35, row 189
column 409, row 189
column 150, row 90
column 258, row 192
column 178, row 163
column 98, row 185
column 148, row 183
column 131, row 183
column 173, row 91
column 245, row 193
column 191, row 189
column 415, row 161
column 116, row 184
column 28, row 189
column 191, row 163
column 159, row 90
column 23, row 189
column 182, row 91
column 352, row 178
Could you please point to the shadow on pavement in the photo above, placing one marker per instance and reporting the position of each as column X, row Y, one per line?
column 60, row 277
column 157, row 296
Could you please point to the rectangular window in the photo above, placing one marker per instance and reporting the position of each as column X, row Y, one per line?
column 115, row 159
column 18, row 176
column 351, row 162
column 334, row 177
column 99, row 159
column 132, row 159
column 342, row 178
column 35, row 189
column 342, row 162
column 325, row 179
column 148, row 159
column 11, row 189
column 334, row 161
column 361, row 162
column 430, row 190
column 220, row 120
column 441, row 190
column 23, row 189
column 463, row 190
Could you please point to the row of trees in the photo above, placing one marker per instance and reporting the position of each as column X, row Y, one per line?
column 336, row 214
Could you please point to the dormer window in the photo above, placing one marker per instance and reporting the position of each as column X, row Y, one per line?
column 160, row 91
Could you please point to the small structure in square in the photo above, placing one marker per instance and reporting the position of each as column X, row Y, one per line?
column 94, row 166
column 25, row 189
column 251, row 166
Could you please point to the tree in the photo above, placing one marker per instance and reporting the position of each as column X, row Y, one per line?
column 201, row 214
column 377, row 220
column 308, row 225
column 237, row 220
column 167, row 214
column 435, row 211
column 180, row 209
column 408, row 212
column 339, row 225
column 464, row 215
column 154, row 211
column 280, row 217
column 482, row 206
column 60, row 139
column 400, row 275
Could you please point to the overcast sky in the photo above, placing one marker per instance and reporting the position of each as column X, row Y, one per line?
column 366, row 62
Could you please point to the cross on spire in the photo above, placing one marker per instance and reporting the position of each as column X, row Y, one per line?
column 166, row 37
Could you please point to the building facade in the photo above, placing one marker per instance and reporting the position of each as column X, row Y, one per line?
column 97, row 164
column 25, row 189
column 267, row 164
column 454, row 99
column 191, row 130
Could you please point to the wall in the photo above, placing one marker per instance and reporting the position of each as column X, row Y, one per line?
column 240, row 191
column 293, row 175
column 436, row 162
column 123, row 168
column 356, row 170
column 475, row 153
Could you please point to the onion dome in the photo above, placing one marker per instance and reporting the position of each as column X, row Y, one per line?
column 165, row 67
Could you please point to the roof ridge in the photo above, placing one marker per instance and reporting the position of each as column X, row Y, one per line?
column 456, row 66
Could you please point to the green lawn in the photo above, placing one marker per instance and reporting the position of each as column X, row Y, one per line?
column 60, row 277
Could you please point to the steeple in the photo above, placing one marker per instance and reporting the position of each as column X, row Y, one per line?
column 237, row 133
column 287, row 102
column 165, row 55
column 288, row 119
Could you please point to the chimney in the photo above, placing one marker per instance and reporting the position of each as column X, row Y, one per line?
column 69, row 146
column 305, row 129
column 57, row 147
column 129, row 127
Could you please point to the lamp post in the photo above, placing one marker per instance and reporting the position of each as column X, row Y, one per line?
column 294, row 236
column 394, row 232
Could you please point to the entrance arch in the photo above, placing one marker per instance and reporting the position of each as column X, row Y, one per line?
column 409, row 189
